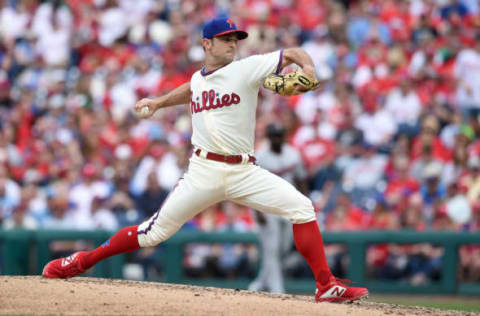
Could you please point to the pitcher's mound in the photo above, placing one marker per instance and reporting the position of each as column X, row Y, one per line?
column 35, row 295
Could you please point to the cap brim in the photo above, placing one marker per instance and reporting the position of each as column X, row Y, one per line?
column 240, row 34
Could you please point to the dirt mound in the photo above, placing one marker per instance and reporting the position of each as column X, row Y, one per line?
column 80, row 296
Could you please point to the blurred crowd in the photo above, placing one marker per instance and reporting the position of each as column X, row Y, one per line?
column 389, row 139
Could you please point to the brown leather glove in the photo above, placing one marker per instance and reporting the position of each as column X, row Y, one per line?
column 292, row 83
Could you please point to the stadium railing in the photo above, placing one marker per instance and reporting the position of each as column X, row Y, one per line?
column 26, row 252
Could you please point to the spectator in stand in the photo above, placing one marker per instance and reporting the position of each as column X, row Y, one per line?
column 404, row 105
column 59, row 214
column 424, row 263
column 411, row 217
column 362, row 22
column 429, row 137
column 471, row 180
column 433, row 192
column 453, row 130
column 321, row 48
column 457, row 207
column 401, row 183
column 52, row 26
column 364, row 176
column 153, row 196
column 382, row 217
column 123, row 207
column 467, row 72
column 454, row 7
column 9, row 194
column 423, row 31
column 469, row 264
column 459, row 164
column 102, row 217
column 20, row 218
column 345, row 216
column 83, row 193
column 418, row 167
column 377, row 124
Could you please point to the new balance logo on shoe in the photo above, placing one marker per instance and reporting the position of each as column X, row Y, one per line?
column 334, row 291
column 68, row 260
column 338, row 291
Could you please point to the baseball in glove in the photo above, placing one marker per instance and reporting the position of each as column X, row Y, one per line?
column 292, row 83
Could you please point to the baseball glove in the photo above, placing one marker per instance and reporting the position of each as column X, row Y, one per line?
column 293, row 83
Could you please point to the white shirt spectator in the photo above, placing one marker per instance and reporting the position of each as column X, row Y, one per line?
column 378, row 128
column 365, row 172
column 450, row 173
column 306, row 108
column 458, row 209
column 472, row 5
column 82, row 195
column 288, row 164
column 303, row 134
column 113, row 25
column 449, row 134
column 326, row 100
column 322, row 52
column 417, row 62
column 417, row 8
column 123, row 96
column 11, row 197
column 168, row 172
column 404, row 108
column 12, row 23
column 54, row 46
column 362, row 76
column 139, row 181
column 42, row 20
column 104, row 219
column 136, row 11
column 68, row 222
column 467, row 70
column 148, row 81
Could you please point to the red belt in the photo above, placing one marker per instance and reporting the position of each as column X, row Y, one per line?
column 234, row 159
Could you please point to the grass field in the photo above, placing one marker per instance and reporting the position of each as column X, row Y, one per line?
column 459, row 303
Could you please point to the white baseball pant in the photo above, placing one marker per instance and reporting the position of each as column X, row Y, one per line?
column 207, row 182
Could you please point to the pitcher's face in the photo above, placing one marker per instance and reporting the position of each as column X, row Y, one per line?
column 222, row 48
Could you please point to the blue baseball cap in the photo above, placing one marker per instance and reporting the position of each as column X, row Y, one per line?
column 222, row 26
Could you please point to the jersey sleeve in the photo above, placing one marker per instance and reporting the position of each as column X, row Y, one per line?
column 257, row 67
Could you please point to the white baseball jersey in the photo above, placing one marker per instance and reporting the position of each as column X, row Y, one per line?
column 224, row 103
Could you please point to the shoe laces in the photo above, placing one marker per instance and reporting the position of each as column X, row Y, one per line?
column 335, row 280
column 345, row 282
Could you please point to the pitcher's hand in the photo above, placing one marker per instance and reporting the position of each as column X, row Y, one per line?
column 145, row 108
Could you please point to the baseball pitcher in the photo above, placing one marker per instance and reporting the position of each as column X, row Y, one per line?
column 222, row 99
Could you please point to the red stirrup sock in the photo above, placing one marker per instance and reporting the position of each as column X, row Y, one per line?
column 125, row 240
column 309, row 243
